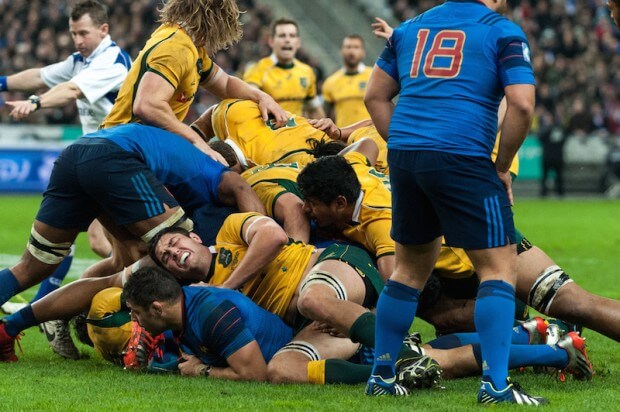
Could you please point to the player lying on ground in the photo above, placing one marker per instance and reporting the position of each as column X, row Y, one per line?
column 110, row 330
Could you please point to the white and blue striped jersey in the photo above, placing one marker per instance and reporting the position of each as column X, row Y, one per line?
column 99, row 77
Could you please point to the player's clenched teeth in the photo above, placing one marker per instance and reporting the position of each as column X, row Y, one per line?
column 184, row 257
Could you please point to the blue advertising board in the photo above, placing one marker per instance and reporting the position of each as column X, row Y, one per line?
column 26, row 170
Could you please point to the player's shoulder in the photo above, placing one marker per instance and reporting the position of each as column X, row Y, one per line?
column 304, row 67
column 500, row 24
column 332, row 78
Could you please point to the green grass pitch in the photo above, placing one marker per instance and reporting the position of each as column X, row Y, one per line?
column 583, row 236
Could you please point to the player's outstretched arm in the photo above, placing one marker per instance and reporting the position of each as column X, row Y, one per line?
column 225, row 86
column 234, row 191
column 57, row 96
column 151, row 106
column 23, row 81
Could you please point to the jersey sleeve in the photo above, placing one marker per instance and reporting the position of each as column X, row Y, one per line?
column 171, row 63
column 231, row 231
column 222, row 328
column 513, row 60
column 388, row 61
column 59, row 72
column 378, row 237
column 207, row 70
column 103, row 75
column 254, row 74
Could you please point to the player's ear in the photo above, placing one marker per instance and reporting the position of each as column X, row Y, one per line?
column 341, row 202
column 105, row 29
column 157, row 308
column 195, row 237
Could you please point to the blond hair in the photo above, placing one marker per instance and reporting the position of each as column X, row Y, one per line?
column 212, row 23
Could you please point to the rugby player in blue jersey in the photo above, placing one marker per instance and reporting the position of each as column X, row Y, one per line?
column 116, row 175
column 221, row 332
column 451, row 66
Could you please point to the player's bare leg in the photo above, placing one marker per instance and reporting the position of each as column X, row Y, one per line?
column 570, row 302
column 98, row 240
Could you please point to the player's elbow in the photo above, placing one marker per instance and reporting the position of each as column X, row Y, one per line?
column 275, row 235
column 255, row 374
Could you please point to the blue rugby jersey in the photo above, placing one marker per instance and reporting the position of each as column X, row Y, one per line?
column 217, row 322
column 452, row 64
column 190, row 175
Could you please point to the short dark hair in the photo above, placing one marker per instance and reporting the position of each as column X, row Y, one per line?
column 225, row 150
column 97, row 11
column 281, row 22
column 155, row 240
column 355, row 36
column 322, row 148
column 327, row 178
column 151, row 284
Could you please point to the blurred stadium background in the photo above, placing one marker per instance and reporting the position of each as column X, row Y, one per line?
column 575, row 51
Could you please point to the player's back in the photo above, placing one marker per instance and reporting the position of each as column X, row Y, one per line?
column 449, row 66
column 259, row 141
column 206, row 310
column 190, row 175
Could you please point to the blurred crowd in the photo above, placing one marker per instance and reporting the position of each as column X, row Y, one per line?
column 35, row 33
column 575, row 52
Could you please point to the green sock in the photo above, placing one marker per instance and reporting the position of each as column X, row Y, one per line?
column 363, row 330
column 341, row 371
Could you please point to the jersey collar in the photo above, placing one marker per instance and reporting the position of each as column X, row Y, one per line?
column 360, row 68
column 238, row 152
column 213, row 251
column 105, row 43
column 281, row 65
column 358, row 208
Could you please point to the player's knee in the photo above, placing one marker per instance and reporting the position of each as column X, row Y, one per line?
column 46, row 251
column 546, row 288
column 572, row 303
column 277, row 371
column 310, row 306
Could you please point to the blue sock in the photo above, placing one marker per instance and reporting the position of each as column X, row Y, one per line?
column 494, row 317
column 9, row 286
column 531, row 355
column 395, row 312
column 19, row 321
column 55, row 280
column 454, row 340
column 520, row 336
